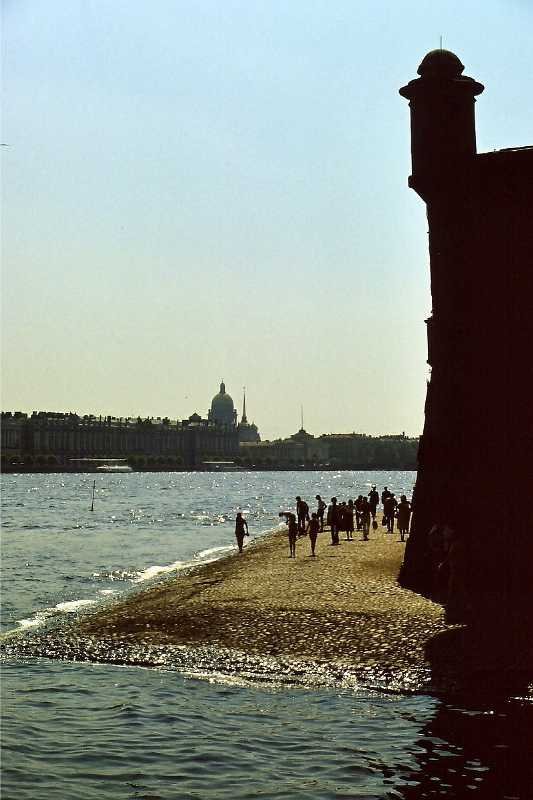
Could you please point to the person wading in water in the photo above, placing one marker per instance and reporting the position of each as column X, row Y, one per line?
column 240, row 533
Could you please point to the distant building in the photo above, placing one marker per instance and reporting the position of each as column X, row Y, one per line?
column 340, row 450
column 51, row 438
column 55, row 439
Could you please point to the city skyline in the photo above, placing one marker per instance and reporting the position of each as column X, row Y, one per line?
column 198, row 192
column 179, row 418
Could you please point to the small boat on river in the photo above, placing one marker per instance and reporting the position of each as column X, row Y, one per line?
column 115, row 465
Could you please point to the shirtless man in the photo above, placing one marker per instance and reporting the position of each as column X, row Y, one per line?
column 302, row 511
column 322, row 505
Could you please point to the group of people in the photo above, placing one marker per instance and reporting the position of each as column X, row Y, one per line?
column 347, row 517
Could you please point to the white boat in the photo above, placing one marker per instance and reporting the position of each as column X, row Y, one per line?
column 114, row 467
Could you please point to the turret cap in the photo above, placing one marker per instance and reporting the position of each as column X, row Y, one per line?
column 440, row 64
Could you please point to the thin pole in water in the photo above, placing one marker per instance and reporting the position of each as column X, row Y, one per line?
column 92, row 503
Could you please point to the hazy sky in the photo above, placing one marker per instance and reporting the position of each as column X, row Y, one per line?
column 218, row 189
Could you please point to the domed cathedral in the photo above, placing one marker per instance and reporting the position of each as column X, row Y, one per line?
column 222, row 411
column 247, row 430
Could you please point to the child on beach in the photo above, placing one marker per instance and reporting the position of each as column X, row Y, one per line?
column 292, row 531
column 312, row 529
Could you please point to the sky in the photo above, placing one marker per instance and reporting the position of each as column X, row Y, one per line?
column 217, row 190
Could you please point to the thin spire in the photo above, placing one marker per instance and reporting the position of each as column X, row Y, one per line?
column 244, row 420
column 302, row 416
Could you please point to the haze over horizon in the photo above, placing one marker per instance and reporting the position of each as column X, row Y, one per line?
column 205, row 191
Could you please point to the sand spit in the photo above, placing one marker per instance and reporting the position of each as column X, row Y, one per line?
column 337, row 619
column 344, row 605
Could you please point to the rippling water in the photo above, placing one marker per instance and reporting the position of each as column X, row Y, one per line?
column 96, row 731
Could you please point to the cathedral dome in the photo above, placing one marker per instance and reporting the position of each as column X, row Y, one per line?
column 222, row 409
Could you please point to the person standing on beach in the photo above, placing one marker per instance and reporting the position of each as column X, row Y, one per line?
column 302, row 511
column 358, row 511
column 349, row 511
column 333, row 519
column 312, row 529
column 404, row 514
column 292, row 531
column 384, row 495
column 240, row 526
column 320, row 510
column 373, row 500
column 365, row 518
column 388, row 512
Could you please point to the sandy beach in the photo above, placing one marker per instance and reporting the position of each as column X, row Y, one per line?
column 343, row 606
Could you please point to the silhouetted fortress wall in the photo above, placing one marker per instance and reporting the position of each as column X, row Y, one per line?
column 476, row 453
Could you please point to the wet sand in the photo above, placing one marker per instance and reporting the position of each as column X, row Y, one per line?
column 343, row 607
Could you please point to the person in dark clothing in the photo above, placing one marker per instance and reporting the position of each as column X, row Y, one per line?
column 349, row 512
column 384, row 494
column 373, row 501
column 389, row 511
column 365, row 518
column 341, row 511
column 312, row 529
column 358, row 512
column 320, row 511
column 333, row 520
column 302, row 512
column 404, row 515
column 292, row 531
column 241, row 530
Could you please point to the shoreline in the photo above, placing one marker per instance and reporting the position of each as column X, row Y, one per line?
column 344, row 606
column 338, row 619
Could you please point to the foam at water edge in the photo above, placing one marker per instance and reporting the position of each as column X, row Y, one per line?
column 152, row 572
column 203, row 557
column 72, row 606
column 41, row 617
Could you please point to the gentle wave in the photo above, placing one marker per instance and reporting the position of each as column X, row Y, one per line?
column 69, row 607
column 152, row 572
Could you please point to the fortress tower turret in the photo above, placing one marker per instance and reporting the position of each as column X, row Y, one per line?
column 443, row 129
column 476, row 452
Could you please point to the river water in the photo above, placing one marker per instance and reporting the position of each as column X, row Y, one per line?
column 79, row 730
